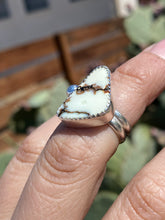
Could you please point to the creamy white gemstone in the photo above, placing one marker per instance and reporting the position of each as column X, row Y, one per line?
column 99, row 76
column 88, row 102
column 91, row 101
column 73, row 115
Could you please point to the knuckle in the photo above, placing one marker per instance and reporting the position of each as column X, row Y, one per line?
column 64, row 159
column 135, row 82
column 138, row 78
column 155, row 188
column 140, row 75
column 28, row 152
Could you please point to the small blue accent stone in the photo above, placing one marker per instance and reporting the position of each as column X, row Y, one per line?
column 71, row 89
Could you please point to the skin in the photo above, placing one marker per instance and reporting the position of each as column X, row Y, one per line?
column 57, row 171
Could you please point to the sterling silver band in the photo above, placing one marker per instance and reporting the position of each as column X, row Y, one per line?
column 120, row 126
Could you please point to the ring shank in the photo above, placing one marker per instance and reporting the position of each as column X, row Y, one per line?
column 120, row 126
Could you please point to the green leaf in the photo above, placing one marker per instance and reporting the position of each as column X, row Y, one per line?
column 56, row 97
column 39, row 99
column 158, row 29
column 4, row 160
column 40, row 107
column 115, row 163
column 138, row 26
column 132, row 155
column 100, row 205
column 110, row 184
column 162, row 2
column 143, row 150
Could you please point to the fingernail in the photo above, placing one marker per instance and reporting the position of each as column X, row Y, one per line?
column 158, row 49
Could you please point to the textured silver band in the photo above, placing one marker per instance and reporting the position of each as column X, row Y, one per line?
column 120, row 126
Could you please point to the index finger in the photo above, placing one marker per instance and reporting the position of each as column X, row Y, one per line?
column 69, row 171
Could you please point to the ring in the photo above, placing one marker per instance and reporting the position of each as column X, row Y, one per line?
column 89, row 104
column 120, row 126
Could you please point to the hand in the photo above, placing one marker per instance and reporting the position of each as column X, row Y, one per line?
column 56, row 173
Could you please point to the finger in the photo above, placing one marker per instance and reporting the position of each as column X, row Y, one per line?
column 68, row 173
column 18, row 170
column 144, row 196
column 138, row 81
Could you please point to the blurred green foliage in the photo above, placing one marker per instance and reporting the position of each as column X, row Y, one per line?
column 132, row 155
column 100, row 205
column 139, row 26
column 39, row 108
column 4, row 160
column 145, row 26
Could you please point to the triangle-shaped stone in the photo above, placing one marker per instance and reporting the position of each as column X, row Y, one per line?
column 92, row 98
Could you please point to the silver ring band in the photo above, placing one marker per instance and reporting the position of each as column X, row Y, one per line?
column 120, row 126
column 89, row 104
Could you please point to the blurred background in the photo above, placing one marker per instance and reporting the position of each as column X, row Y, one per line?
column 45, row 45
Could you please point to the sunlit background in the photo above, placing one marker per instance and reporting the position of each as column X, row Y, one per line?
column 45, row 45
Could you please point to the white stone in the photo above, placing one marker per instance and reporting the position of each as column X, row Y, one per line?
column 90, row 102
column 99, row 76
